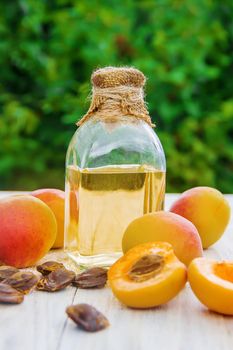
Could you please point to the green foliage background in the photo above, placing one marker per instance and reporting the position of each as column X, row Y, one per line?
column 48, row 50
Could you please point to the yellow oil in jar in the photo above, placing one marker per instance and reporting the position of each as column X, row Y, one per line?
column 101, row 202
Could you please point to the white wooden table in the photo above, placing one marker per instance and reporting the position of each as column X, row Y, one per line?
column 40, row 322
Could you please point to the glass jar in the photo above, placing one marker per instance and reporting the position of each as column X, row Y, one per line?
column 115, row 172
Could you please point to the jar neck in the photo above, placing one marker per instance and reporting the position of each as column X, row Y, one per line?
column 110, row 103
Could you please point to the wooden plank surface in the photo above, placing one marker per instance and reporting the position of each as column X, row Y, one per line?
column 182, row 324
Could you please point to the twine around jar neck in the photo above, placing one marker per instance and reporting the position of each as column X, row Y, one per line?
column 120, row 92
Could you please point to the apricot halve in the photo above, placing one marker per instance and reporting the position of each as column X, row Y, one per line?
column 212, row 283
column 148, row 275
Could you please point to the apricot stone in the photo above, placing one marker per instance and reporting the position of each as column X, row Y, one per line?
column 207, row 209
column 166, row 227
column 55, row 199
column 27, row 230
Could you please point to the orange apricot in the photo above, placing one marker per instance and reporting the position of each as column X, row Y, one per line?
column 212, row 283
column 55, row 199
column 148, row 275
column 207, row 209
column 28, row 230
column 166, row 227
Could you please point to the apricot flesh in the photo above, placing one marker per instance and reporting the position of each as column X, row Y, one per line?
column 207, row 209
column 160, row 280
column 167, row 227
column 212, row 283
column 27, row 230
column 55, row 199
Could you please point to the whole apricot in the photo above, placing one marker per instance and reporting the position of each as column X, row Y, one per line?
column 55, row 199
column 27, row 230
column 212, row 283
column 148, row 275
column 207, row 209
column 167, row 227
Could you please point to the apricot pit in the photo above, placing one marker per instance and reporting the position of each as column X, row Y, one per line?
column 146, row 267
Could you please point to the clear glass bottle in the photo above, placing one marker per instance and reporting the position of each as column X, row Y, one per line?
column 115, row 172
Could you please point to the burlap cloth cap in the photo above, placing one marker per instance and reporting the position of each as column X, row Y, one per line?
column 116, row 92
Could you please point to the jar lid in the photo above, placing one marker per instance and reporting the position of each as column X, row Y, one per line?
column 117, row 91
column 117, row 76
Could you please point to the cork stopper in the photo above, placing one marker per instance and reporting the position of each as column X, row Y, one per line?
column 113, row 76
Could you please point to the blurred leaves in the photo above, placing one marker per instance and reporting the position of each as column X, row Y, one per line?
column 48, row 50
